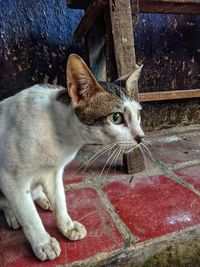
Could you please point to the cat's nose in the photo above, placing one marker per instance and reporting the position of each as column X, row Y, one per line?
column 138, row 138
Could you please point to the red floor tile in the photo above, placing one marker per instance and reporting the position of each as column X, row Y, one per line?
column 84, row 206
column 175, row 151
column 190, row 175
column 154, row 206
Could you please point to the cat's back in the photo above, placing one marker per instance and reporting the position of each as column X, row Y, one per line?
column 26, row 124
column 27, row 107
column 38, row 96
column 29, row 102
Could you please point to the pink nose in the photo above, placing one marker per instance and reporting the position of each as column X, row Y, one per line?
column 138, row 138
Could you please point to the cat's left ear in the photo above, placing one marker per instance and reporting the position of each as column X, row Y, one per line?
column 130, row 81
column 81, row 83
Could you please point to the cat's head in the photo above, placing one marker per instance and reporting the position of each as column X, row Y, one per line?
column 106, row 110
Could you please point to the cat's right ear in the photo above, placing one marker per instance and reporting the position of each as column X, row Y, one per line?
column 130, row 81
column 81, row 83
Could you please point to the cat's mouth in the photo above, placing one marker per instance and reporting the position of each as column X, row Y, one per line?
column 125, row 146
column 97, row 144
column 130, row 146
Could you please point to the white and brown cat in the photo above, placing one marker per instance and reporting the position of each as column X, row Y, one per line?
column 41, row 130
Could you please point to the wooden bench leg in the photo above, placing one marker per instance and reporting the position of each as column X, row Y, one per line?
column 123, row 39
column 112, row 54
column 134, row 161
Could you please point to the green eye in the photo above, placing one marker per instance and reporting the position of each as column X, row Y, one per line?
column 116, row 118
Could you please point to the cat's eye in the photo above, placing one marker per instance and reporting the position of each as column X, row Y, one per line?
column 116, row 118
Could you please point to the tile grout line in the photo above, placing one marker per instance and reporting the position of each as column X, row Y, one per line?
column 185, row 164
column 168, row 170
column 127, row 235
column 98, row 258
column 162, row 169
column 189, row 186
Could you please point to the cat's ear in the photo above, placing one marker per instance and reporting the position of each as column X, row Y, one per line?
column 81, row 83
column 130, row 80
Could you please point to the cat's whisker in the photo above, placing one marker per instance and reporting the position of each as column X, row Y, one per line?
column 108, row 161
column 113, row 160
column 132, row 148
column 123, row 147
column 97, row 154
column 146, row 148
column 147, row 142
column 109, row 153
column 119, row 153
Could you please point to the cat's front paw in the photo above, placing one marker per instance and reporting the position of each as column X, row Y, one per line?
column 77, row 232
column 48, row 250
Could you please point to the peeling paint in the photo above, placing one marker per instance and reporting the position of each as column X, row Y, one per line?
column 168, row 46
column 35, row 39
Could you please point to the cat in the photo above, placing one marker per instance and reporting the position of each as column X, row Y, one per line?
column 41, row 130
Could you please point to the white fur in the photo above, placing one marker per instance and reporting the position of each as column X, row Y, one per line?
column 39, row 135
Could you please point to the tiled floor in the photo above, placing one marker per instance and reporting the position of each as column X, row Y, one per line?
column 154, row 206
column 120, row 210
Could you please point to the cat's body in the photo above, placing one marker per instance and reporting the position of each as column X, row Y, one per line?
column 41, row 130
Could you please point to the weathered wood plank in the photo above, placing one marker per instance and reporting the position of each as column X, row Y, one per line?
column 78, row 4
column 122, row 30
column 152, row 6
column 169, row 6
column 123, row 39
column 111, row 67
column 96, row 48
column 174, row 1
column 169, row 95
column 93, row 11
column 148, row 6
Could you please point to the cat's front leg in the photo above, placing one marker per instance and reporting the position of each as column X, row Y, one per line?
column 43, row 245
column 54, row 189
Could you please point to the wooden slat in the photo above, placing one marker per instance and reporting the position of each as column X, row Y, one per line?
column 95, row 48
column 111, row 67
column 170, row 6
column 122, row 30
column 153, row 6
column 169, row 95
column 146, row 6
column 78, row 4
column 91, row 14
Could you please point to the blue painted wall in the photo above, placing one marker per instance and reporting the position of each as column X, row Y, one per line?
column 35, row 40
column 169, row 47
column 36, row 36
